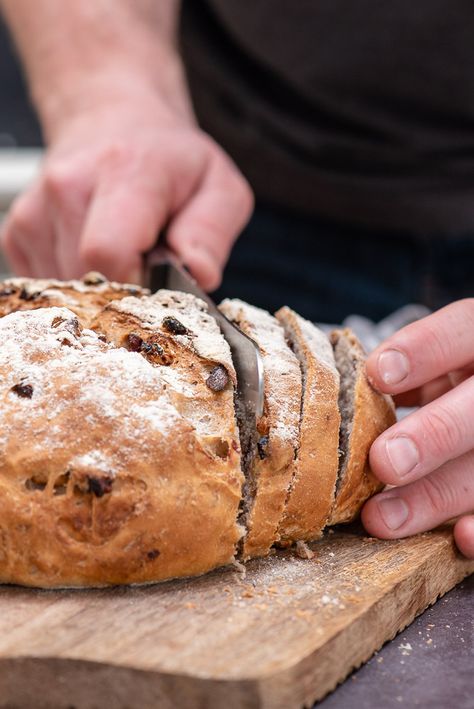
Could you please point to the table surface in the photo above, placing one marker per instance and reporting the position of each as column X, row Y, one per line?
column 430, row 664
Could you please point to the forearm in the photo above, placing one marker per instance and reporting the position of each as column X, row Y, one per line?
column 77, row 51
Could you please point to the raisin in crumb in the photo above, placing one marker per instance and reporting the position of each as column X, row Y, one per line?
column 153, row 554
column 100, row 486
column 25, row 391
column 134, row 342
column 174, row 326
column 5, row 292
column 29, row 295
column 157, row 354
column 94, row 279
column 218, row 378
column 152, row 348
column 262, row 446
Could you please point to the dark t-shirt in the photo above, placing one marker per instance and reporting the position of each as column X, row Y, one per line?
column 357, row 111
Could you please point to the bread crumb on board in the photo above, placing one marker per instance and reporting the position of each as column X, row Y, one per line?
column 303, row 551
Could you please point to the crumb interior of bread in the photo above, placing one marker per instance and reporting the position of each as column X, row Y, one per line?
column 293, row 341
column 247, row 446
column 346, row 363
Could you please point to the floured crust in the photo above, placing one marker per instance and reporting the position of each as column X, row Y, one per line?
column 272, row 466
column 312, row 490
column 103, row 479
column 86, row 297
column 186, row 362
column 373, row 413
column 120, row 459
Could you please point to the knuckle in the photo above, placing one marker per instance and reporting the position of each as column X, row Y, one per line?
column 245, row 197
column 58, row 181
column 443, row 430
column 117, row 153
column 441, row 496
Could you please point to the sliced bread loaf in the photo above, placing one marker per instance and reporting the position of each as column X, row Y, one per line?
column 312, row 490
column 365, row 414
column 270, row 470
column 117, row 464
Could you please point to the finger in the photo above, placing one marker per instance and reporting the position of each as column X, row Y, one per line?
column 424, row 440
column 123, row 222
column 426, row 393
column 69, row 193
column 425, row 350
column 205, row 229
column 29, row 235
column 424, row 504
column 464, row 536
column 17, row 261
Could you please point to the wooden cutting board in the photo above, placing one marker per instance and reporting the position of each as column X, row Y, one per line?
column 280, row 637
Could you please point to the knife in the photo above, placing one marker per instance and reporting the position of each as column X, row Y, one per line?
column 162, row 269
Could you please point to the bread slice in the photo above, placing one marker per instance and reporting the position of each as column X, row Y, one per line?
column 311, row 495
column 118, row 464
column 175, row 332
column 85, row 298
column 365, row 414
column 270, row 470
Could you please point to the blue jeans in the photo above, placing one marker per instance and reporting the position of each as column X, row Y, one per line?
column 326, row 271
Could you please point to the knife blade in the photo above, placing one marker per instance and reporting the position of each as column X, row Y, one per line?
column 162, row 269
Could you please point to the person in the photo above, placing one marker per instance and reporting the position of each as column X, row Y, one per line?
column 353, row 127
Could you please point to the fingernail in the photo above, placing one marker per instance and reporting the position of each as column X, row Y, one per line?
column 393, row 366
column 403, row 454
column 394, row 511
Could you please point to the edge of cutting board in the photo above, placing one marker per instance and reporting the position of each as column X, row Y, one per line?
column 44, row 681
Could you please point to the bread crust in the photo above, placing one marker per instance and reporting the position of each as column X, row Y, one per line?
column 120, row 460
column 103, row 479
column 311, row 494
column 272, row 467
column 85, row 297
column 374, row 412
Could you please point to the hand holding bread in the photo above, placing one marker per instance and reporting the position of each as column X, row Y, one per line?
column 428, row 456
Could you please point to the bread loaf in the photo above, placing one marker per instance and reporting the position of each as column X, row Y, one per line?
column 107, row 475
column 120, row 459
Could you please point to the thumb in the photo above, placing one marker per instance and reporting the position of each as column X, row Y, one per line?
column 205, row 229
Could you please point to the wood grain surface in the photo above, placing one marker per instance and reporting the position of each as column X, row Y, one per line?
column 281, row 636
